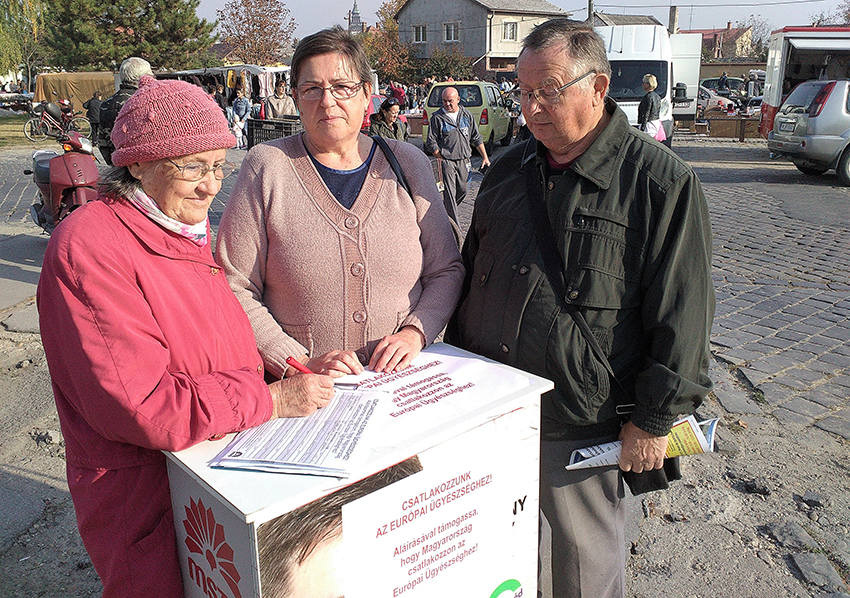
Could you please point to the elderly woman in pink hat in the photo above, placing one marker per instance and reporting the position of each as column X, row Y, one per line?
column 147, row 347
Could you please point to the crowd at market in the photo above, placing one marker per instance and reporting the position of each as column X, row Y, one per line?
column 337, row 253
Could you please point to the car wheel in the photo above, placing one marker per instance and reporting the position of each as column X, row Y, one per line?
column 843, row 169
column 506, row 140
column 490, row 142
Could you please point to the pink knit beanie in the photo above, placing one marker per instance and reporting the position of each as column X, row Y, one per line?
column 166, row 119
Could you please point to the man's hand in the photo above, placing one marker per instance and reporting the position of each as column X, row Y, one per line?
column 641, row 450
column 301, row 395
column 396, row 351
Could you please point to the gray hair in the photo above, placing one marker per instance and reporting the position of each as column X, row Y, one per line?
column 333, row 40
column 133, row 69
column 119, row 183
column 582, row 45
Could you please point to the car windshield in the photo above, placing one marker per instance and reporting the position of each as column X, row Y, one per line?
column 627, row 78
column 801, row 98
column 470, row 95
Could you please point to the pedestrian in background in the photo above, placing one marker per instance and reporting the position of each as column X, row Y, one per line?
column 132, row 69
column 649, row 110
column 452, row 133
column 589, row 262
column 92, row 107
column 279, row 104
column 386, row 123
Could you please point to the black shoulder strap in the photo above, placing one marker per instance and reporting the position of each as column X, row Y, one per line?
column 399, row 173
column 554, row 264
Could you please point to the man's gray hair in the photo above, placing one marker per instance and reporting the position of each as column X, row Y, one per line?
column 133, row 69
column 583, row 46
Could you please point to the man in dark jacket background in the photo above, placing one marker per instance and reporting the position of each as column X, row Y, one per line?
column 92, row 106
column 132, row 69
column 452, row 133
column 632, row 241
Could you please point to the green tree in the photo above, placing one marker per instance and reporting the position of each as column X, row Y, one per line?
column 386, row 15
column 448, row 62
column 99, row 34
column 10, row 51
column 390, row 58
column 22, row 35
column 259, row 31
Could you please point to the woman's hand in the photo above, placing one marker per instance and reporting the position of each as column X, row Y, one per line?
column 396, row 351
column 301, row 395
column 334, row 363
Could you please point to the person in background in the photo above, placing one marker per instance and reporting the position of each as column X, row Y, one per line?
column 279, row 104
column 241, row 113
column 131, row 70
column 649, row 109
column 333, row 261
column 396, row 91
column 723, row 81
column 452, row 133
column 221, row 97
column 92, row 107
column 629, row 235
column 386, row 122
column 147, row 347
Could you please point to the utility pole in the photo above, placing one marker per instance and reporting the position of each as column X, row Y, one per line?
column 590, row 12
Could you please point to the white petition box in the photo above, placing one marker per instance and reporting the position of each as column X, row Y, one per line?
column 461, row 520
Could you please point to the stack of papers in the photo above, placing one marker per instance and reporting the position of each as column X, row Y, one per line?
column 328, row 442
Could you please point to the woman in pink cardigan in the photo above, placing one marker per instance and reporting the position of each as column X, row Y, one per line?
column 334, row 263
column 148, row 349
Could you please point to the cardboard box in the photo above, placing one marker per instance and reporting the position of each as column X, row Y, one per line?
column 455, row 512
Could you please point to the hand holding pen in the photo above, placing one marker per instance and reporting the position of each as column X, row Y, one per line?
column 294, row 363
column 332, row 363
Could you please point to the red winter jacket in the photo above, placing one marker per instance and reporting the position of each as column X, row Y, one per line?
column 148, row 351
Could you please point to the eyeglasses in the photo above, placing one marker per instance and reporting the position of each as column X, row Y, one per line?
column 340, row 91
column 549, row 94
column 195, row 171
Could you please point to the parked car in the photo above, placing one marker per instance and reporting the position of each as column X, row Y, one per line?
column 812, row 129
column 735, row 93
column 708, row 100
column 375, row 106
column 484, row 100
column 754, row 105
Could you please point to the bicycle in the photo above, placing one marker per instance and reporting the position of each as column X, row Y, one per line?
column 52, row 120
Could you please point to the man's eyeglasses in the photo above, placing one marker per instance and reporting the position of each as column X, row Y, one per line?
column 340, row 91
column 549, row 94
column 195, row 171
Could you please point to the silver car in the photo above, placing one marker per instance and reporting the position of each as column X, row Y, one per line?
column 812, row 129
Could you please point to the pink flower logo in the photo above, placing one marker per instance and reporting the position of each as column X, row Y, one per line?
column 206, row 537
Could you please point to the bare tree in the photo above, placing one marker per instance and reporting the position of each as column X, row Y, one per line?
column 259, row 31
column 760, row 29
column 840, row 15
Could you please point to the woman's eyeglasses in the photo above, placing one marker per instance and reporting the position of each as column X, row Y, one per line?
column 340, row 91
column 195, row 171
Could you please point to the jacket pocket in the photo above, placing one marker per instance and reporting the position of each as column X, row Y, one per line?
column 156, row 553
column 604, row 261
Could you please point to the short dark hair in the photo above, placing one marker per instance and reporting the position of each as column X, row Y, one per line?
column 333, row 40
column 288, row 540
column 581, row 43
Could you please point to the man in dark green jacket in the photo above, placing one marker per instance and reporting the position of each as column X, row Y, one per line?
column 631, row 225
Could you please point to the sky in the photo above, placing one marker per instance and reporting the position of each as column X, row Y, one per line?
column 313, row 15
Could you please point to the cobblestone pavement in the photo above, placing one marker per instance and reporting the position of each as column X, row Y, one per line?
column 781, row 271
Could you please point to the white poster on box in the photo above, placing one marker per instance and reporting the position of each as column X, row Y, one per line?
column 459, row 527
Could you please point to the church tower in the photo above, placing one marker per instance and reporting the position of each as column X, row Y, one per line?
column 355, row 25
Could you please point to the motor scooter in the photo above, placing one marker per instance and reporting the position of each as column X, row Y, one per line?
column 65, row 181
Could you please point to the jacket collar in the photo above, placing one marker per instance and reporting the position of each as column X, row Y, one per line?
column 600, row 162
column 157, row 239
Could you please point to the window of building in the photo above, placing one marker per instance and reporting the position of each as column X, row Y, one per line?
column 451, row 32
column 420, row 34
column 509, row 31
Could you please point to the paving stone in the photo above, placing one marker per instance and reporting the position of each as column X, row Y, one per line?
column 816, row 569
column 836, row 425
column 735, row 400
column 838, row 332
column 775, row 341
column 805, row 407
column 820, row 396
column 792, row 536
column 843, row 361
column 754, row 377
column 807, row 329
column 759, row 348
column 739, row 356
column 792, row 335
column 821, row 365
column 789, row 417
column 843, row 380
column 760, row 331
column 776, row 394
